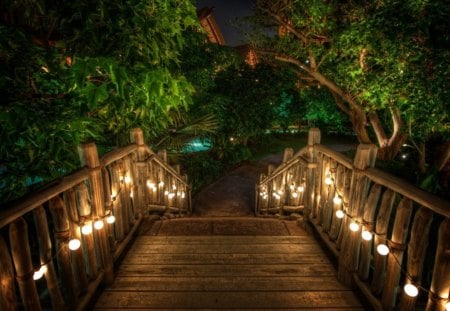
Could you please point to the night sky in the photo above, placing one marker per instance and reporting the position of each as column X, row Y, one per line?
column 225, row 12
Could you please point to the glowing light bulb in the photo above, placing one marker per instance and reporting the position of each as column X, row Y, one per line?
column 382, row 249
column 74, row 244
column 366, row 235
column 300, row 188
column 292, row 187
column 113, row 197
column 411, row 290
column 166, row 192
column 131, row 194
column 37, row 275
column 328, row 181
column 337, row 199
column 447, row 306
column 183, row 195
column 280, row 192
column 174, row 187
column 121, row 178
column 340, row 214
column 171, row 196
column 161, row 184
column 86, row 229
column 111, row 219
column 150, row 184
column 354, row 226
column 295, row 195
column 127, row 179
column 98, row 224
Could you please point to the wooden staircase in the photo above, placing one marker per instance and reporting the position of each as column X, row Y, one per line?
column 216, row 269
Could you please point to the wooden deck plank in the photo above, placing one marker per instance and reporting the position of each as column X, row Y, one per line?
column 226, row 248
column 226, row 283
column 227, row 272
column 298, row 299
column 223, row 259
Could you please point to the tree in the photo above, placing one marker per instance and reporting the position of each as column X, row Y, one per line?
column 77, row 70
column 385, row 62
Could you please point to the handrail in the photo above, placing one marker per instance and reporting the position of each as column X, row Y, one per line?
column 95, row 212
column 430, row 201
column 25, row 205
column 342, row 199
column 117, row 154
column 340, row 158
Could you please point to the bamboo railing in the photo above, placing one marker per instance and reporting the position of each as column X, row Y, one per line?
column 391, row 239
column 57, row 246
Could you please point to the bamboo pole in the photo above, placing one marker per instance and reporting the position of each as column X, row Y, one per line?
column 368, row 221
column 349, row 255
column 440, row 283
column 8, row 298
column 116, row 201
column 78, row 262
column 83, row 203
column 137, row 137
column 45, row 251
column 21, row 254
column 89, row 157
column 397, row 249
column 381, row 226
column 62, row 236
column 417, row 249
column 313, row 139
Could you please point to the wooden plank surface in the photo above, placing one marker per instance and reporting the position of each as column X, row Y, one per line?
column 207, row 272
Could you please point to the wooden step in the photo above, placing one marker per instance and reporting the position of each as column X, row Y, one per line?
column 226, row 272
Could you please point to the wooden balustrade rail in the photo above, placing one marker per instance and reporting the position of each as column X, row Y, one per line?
column 57, row 246
column 357, row 209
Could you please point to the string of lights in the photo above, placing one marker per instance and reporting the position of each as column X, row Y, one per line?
column 412, row 287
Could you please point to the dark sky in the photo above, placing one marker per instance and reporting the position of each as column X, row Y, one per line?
column 225, row 12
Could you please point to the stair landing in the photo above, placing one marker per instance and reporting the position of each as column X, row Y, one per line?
column 226, row 263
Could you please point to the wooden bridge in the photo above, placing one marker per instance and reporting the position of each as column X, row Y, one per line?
column 89, row 240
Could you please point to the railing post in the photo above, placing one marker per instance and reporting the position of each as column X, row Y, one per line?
column 313, row 139
column 89, row 157
column 440, row 284
column 137, row 137
column 359, row 187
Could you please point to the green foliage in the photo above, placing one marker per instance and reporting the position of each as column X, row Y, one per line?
column 322, row 112
column 73, row 71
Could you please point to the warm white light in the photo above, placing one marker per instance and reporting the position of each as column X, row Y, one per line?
column 366, row 235
column 161, row 184
column 111, row 219
column 280, row 192
column 382, row 249
column 171, row 196
column 127, row 179
column 337, row 200
column 292, row 187
column 340, row 214
column 74, row 244
column 113, row 197
column 354, row 226
column 166, row 192
column 447, row 306
column 121, row 178
column 265, row 197
column 39, row 273
column 300, row 188
column 131, row 194
column 411, row 290
column 150, row 184
column 174, row 187
column 98, row 224
column 294, row 194
column 86, row 229
column 183, row 195
column 328, row 181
